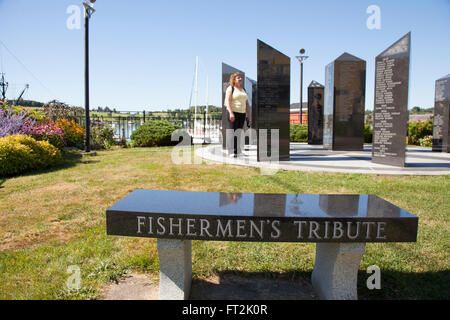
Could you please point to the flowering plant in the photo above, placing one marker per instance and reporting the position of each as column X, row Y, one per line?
column 73, row 132
column 49, row 132
column 14, row 122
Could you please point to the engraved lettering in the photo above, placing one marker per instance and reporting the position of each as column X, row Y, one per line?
column 300, row 223
column 175, row 225
column 220, row 229
column 349, row 225
column 380, row 229
column 140, row 223
column 337, row 226
column 313, row 230
column 190, row 225
column 204, row 226
column 240, row 226
column 277, row 231
column 160, row 224
column 253, row 226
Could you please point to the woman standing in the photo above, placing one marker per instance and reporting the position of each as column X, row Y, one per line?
column 237, row 106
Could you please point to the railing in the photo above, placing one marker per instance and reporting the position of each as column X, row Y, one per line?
column 205, row 127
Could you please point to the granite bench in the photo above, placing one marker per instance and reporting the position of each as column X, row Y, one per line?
column 341, row 225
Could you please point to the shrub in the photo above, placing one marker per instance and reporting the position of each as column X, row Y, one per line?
column 56, row 110
column 49, row 132
column 101, row 137
column 299, row 133
column 426, row 141
column 73, row 133
column 154, row 133
column 368, row 133
column 13, row 121
column 20, row 153
column 418, row 130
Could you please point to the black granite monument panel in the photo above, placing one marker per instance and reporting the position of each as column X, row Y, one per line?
column 345, row 90
column 251, row 88
column 227, row 71
column 315, row 112
column 441, row 126
column 391, row 103
column 273, row 98
column 260, row 217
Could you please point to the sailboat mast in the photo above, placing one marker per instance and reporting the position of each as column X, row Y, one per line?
column 195, row 96
column 206, row 112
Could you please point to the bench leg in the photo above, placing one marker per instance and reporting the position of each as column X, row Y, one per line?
column 336, row 270
column 175, row 269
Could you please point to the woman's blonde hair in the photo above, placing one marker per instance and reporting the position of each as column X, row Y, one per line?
column 233, row 78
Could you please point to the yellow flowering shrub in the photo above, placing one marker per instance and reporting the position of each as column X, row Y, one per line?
column 20, row 153
column 73, row 132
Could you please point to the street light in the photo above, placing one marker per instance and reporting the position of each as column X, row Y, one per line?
column 301, row 58
column 88, row 11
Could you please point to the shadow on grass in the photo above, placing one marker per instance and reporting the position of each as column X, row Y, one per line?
column 295, row 285
column 70, row 159
column 2, row 180
column 407, row 286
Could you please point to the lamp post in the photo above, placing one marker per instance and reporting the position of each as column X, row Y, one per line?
column 301, row 58
column 88, row 11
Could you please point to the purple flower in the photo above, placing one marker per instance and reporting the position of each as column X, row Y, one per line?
column 12, row 122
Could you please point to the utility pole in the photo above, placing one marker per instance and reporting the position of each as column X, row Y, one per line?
column 4, row 86
column 88, row 11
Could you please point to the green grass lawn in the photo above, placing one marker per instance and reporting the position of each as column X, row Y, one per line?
column 52, row 219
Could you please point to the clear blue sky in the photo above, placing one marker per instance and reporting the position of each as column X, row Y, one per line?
column 143, row 52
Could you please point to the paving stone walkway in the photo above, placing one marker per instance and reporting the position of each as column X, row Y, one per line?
column 304, row 157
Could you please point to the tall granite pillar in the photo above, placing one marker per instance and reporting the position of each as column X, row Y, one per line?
column 227, row 71
column 345, row 90
column 390, row 112
column 273, row 96
column 441, row 126
column 315, row 112
column 251, row 89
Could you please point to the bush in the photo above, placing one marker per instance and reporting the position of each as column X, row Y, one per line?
column 299, row 133
column 49, row 132
column 426, row 141
column 418, row 130
column 14, row 121
column 20, row 153
column 154, row 133
column 101, row 137
column 368, row 133
column 73, row 133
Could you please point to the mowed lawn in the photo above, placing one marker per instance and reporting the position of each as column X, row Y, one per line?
column 53, row 219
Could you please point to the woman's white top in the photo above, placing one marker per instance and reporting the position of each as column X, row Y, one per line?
column 238, row 100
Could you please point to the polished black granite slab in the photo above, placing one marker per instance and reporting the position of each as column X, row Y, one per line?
column 441, row 125
column 273, row 100
column 315, row 112
column 252, row 91
column 391, row 103
column 260, row 217
column 227, row 71
column 345, row 90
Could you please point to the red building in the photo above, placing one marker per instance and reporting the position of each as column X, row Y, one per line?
column 295, row 117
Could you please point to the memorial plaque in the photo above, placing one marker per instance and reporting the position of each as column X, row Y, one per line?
column 390, row 112
column 227, row 71
column 345, row 90
column 273, row 100
column 441, row 126
column 259, row 217
column 251, row 89
column 315, row 112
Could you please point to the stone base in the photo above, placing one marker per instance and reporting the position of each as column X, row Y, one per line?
column 175, row 269
column 336, row 269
